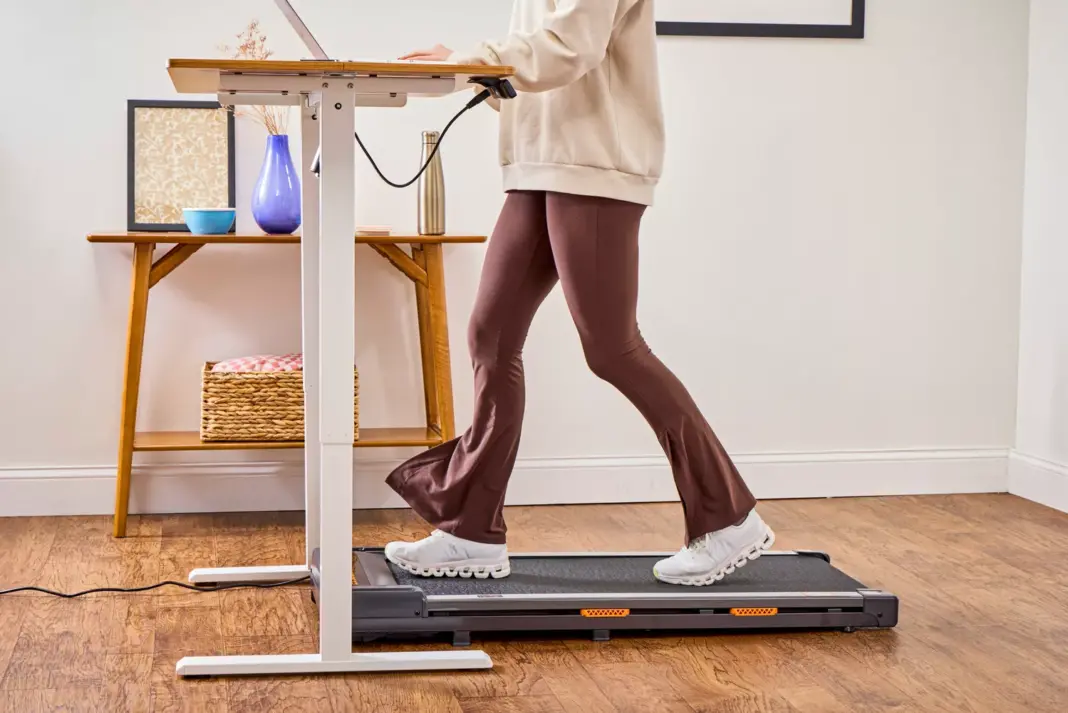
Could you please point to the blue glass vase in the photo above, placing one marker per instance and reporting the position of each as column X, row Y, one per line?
column 276, row 197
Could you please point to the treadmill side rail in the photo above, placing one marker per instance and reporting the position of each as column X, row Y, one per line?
column 883, row 606
column 692, row 601
column 554, row 624
column 373, row 567
column 814, row 553
column 394, row 602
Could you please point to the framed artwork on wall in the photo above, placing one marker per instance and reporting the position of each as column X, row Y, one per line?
column 833, row 19
column 179, row 154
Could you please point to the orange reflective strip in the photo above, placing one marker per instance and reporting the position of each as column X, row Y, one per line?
column 754, row 611
column 605, row 613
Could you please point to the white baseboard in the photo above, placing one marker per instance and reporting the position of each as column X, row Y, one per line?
column 229, row 487
column 1039, row 480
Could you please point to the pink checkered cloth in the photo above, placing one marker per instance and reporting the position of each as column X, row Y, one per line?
column 264, row 362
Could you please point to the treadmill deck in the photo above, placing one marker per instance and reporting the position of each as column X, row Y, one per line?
column 586, row 574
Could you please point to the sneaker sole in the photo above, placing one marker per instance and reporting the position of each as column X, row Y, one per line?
column 466, row 571
column 741, row 559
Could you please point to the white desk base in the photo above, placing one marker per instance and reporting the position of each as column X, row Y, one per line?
column 327, row 106
column 249, row 575
column 316, row 663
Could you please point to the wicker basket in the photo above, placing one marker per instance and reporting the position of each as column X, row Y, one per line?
column 261, row 406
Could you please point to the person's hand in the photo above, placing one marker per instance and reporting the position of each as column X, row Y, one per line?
column 437, row 53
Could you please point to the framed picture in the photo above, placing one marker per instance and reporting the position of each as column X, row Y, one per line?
column 180, row 154
column 834, row 19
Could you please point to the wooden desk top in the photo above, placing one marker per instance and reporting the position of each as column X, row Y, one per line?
column 201, row 75
column 294, row 239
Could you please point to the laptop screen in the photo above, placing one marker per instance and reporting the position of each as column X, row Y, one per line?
column 305, row 34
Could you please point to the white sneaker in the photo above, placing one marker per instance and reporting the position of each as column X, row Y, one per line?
column 445, row 555
column 712, row 557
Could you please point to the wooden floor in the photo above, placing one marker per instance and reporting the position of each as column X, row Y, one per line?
column 984, row 621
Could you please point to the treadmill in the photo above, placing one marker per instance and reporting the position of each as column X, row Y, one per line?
column 598, row 593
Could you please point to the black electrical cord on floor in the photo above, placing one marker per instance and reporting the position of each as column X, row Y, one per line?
column 135, row 590
column 481, row 97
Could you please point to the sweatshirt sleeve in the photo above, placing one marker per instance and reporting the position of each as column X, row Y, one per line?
column 572, row 40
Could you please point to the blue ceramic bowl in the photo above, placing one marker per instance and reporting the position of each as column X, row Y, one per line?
column 209, row 221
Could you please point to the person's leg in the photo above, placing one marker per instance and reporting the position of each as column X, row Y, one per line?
column 459, row 487
column 595, row 247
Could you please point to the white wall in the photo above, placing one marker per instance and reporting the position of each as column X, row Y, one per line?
column 832, row 266
column 1040, row 464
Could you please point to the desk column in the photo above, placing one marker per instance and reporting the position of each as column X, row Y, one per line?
column 337, row 254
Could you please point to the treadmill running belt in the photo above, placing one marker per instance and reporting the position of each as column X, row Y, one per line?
column 600, row 575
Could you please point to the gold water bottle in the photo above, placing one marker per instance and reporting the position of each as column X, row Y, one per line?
column 431, row 189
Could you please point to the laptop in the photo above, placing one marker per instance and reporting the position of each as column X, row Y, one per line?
column 318, row 54
column 316, row 49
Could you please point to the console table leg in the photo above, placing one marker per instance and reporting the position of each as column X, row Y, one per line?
column 135, row 343
column 426, row 344
column 439, row 333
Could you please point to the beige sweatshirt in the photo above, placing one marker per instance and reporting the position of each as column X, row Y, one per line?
column 588, row 118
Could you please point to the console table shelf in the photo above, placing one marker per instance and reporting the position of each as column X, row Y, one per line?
column 417, row 437
column 291, row 239
column 422, row 264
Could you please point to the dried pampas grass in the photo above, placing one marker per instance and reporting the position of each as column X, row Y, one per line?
column 252, row 44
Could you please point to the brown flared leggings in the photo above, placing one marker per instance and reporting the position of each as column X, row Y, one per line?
column 589, row 245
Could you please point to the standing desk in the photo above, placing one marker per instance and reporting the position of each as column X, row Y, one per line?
column 327, row 93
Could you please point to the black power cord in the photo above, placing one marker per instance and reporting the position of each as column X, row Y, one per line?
column 481, row 97
column 135, row 590
column 494, row 87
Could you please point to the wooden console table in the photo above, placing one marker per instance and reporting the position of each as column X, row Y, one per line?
column 424, row 267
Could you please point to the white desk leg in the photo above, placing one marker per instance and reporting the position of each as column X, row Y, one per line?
column 337, row 348
column 337, row 225
column 249, row 575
